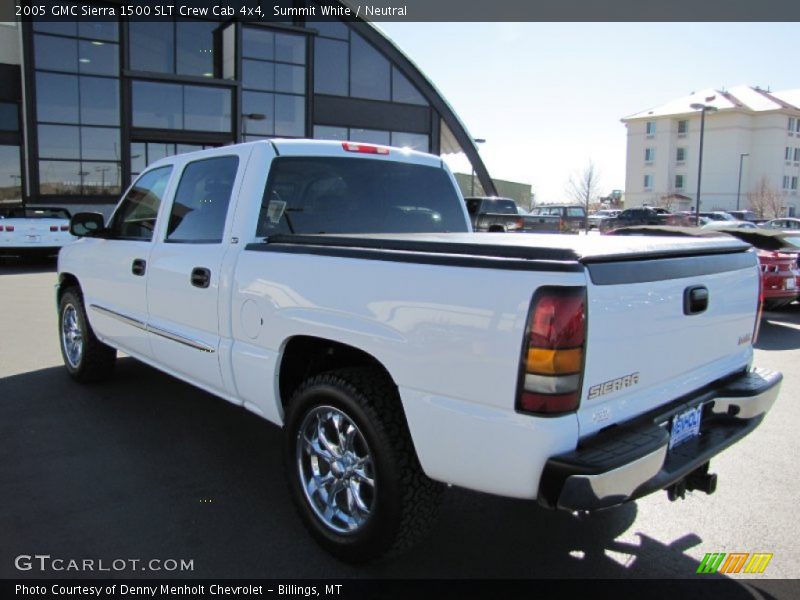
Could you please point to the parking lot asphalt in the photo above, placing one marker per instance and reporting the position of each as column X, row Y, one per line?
column 147, row 467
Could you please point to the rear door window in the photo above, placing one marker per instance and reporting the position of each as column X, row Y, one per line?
column 201, row 201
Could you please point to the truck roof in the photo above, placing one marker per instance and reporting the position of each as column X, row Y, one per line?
column 306, row 147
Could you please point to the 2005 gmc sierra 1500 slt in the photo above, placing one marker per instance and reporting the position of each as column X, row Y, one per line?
column 336, row 289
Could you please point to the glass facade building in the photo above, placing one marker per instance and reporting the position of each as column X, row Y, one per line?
column 89, row 104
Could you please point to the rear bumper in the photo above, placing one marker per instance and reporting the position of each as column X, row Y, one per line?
column 633, row 460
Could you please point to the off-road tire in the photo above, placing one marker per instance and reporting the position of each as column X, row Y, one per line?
column 405, row 502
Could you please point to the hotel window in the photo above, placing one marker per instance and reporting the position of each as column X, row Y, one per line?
column 683, row 127
column 794, row 184
column 792, row 124
column 680, row 155
column 678, row 182
column 797, row 154
column 648, row 182
column 786, row 182
column 649, row 155
column 787, row 153
column 650, row 128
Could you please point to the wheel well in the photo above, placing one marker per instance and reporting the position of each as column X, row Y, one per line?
column 306, row 356
column 66, row 280
column 496, row 229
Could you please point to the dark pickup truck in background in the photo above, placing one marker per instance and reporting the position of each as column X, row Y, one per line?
column 495, row 214
column 643, row 215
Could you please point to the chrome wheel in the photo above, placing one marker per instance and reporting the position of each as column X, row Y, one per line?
column 71, row 336
column 336, row 469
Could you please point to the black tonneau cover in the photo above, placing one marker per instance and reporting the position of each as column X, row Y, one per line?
column 533, row 247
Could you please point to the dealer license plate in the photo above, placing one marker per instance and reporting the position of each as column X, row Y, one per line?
column 32, row 239
column 791, row 283
column 685, row 426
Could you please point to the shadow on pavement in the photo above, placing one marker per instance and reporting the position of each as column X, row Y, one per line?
column 780, row 329
column 21, row 265
column 145, row 466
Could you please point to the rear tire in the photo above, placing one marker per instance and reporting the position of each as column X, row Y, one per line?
column 86, row 358
column 351, row 466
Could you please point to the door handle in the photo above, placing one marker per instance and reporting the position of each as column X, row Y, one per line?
column 139, row 266
column 201, row 277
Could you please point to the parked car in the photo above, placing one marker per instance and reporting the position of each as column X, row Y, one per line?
column 33, row 230
column 336, row 290
column 721, row 225
column 745, row 215
column 777, row 256
column 494, row 214
column 572, row 216
column 597, row 219
column 644, row 215
column 718, row 215
column 783, row 223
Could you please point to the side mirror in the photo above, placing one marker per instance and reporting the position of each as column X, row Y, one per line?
column 86, row 224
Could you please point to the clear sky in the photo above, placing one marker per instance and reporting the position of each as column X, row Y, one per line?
column 548, row 97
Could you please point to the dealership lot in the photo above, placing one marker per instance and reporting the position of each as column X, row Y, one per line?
column 147, row 467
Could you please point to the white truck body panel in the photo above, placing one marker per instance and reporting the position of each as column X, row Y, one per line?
column 449, row 336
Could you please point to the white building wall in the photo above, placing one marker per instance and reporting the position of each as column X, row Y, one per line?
column 728, row 134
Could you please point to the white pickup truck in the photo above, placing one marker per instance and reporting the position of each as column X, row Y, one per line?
column 336, row 290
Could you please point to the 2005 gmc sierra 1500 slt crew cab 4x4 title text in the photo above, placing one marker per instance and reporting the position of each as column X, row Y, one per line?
column 337, row 290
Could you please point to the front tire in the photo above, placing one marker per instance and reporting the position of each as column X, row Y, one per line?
column 352, row 470
column 86, row 358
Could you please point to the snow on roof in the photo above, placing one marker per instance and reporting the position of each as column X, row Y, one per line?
column 740, row 96
column 790, row 97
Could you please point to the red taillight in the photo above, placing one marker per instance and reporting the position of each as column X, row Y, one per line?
column 53, row 227
column 364, row 148
column 552, row 363
column 9, row 228
column 64, row 228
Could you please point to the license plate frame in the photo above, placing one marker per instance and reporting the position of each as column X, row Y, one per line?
column 33, row 239
column 685, row 426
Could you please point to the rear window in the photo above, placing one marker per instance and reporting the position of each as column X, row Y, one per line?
column 31, row 212
column 356, row 195
column 500, row 207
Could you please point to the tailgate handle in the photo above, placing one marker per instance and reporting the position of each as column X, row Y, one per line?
column 695, row 300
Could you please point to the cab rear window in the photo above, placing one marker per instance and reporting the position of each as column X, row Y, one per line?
column 356, row 195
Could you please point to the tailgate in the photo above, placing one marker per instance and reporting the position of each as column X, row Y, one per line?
column 651, row 341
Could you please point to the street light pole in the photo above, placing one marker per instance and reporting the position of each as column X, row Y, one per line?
column 739, row 188
column 703, row 108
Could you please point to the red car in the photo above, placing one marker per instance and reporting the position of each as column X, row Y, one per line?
column 779, row 278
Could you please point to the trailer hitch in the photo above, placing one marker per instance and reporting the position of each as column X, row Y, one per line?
column 699, row 479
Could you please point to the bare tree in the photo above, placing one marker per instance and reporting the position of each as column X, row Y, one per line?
column 583, row 186
column 766, row 201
